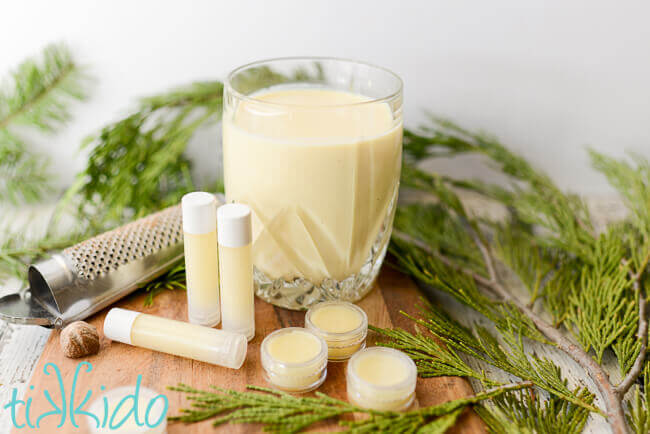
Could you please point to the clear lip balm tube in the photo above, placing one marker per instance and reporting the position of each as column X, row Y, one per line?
column 236, row 269
column 176, row 337
column 201, row 265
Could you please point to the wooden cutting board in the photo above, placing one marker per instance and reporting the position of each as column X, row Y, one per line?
column 119, row 365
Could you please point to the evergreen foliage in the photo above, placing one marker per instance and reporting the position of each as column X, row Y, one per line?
column 280, row 412
column 36, row 95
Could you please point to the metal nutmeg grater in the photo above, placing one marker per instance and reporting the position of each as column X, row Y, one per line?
column 89, row 276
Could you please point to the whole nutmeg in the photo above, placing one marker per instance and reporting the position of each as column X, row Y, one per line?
column 79, row 339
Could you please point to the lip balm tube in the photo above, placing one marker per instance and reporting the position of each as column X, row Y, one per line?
column 294, row 359
column 342, row 325
column 201, row 265
column 176, row 337
column 380, row 378
column 151, row 409
column 236, row 269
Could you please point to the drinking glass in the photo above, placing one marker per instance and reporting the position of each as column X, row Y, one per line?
column 313, row 145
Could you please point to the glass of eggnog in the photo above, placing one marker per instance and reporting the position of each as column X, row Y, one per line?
column 313, row 145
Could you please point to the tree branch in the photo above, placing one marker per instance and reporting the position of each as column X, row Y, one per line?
column 481, row 280
column 508, row 387
column 65, row 72
column 642, row 334
column 613, row 403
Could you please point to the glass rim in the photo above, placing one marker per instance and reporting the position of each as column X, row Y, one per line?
column 228, row 82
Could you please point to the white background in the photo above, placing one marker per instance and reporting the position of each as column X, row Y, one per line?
column 547, row 77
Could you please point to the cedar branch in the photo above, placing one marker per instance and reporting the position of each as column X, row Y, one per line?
column 642, row 334
column 613, row 403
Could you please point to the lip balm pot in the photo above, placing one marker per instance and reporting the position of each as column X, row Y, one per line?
column 381, row 378
column 202, row 269
column 294, row 359
column 179, row 338
column 342, row 325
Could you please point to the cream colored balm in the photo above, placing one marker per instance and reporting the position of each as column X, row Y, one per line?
column 294, row 359
column 334, row 162
column 342, row 325
column 192, row 341
column 381, row 378
column 236, row 269
column 201, row 265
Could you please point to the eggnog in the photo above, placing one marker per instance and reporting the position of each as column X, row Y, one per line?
column 319, row 168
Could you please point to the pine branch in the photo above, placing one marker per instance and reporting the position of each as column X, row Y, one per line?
column 23, row 176
column 582, row 286
column 39, row 90
column 459, row 281
column 522, row 412
column 137, row 164
column 171, row 280
column 399, row 235
column 533, row 264
column 633, row 183
column 601, row 309
column 593, row 369
column 436, row 359
column 281, row 412
column 16, row 251
column 639, row 406
column 558, row 287
column 565, row 217
column 642, row 334
column 36, row 95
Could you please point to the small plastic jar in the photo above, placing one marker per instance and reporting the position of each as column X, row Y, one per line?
column 114, row 407
column 294, row 359
column 342, row 325
column 380, row 378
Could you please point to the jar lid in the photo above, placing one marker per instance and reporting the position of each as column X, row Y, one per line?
column 382, row 372
column 276, row 364
column 355, row 332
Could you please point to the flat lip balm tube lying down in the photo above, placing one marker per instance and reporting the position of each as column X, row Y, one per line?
column 179, row 338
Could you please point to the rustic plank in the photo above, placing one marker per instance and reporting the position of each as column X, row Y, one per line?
column 118, row 364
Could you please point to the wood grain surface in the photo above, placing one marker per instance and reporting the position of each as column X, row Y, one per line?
column 119, row 365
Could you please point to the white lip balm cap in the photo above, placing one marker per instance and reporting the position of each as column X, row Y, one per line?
column 199, row 212
column 118, row 324
column 234, row 228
